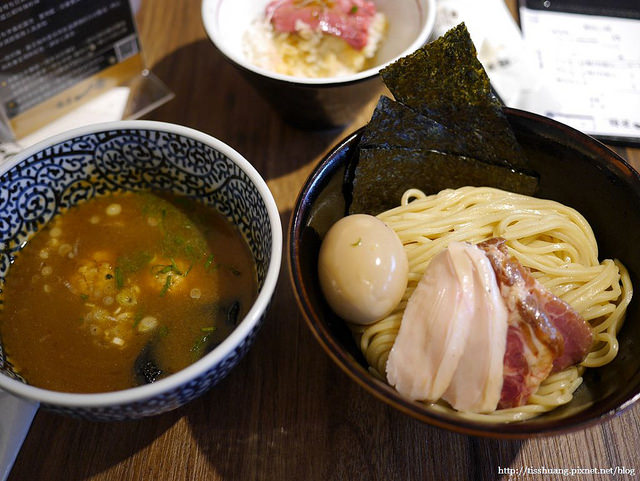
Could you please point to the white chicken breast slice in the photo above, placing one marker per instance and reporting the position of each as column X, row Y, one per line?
column 477, row 382
column 434, row 329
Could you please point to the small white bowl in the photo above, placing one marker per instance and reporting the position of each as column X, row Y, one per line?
column 317, row 102
column 134, row 155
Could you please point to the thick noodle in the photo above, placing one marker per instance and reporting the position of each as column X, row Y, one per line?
column 551, row 239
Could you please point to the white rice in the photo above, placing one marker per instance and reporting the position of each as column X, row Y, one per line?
column 308, row 53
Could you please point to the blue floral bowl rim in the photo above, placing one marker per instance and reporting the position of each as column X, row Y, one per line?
column 222, row 351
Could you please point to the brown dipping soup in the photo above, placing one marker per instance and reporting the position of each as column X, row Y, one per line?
column 123, row 290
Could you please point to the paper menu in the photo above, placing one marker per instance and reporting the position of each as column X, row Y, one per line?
column 588, row 71
column 15, row 419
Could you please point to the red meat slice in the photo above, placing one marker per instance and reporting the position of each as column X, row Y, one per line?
column 545, row 333
column 347, row 19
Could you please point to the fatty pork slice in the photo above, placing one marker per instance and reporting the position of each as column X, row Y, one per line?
column 445, row 346
column 347, row 19
column 545, row 334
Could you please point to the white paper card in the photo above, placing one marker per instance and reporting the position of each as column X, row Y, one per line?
column 588, row 71
column 15, row 419
column 106, row 107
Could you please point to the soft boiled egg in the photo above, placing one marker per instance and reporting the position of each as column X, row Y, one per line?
column 363, row 268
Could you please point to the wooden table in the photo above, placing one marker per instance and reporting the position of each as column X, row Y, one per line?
column 286, row 412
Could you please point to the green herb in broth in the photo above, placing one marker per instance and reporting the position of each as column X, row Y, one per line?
column 142, row 283
column 132, row 262
column 208, row 263
column 168, row 268
column 166, row 286
column 202, row 341
column 119, row 277
column 163, row 331
column 181, row 236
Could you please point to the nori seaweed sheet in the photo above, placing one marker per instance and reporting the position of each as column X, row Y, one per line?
column 383, row 175
column 445, row 82
column 396, row 125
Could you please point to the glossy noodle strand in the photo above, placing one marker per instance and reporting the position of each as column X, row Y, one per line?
column 553, row 240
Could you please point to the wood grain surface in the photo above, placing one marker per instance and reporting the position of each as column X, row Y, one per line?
column 286, row 412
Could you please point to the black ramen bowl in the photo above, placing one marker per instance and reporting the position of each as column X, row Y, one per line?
column 574, row 169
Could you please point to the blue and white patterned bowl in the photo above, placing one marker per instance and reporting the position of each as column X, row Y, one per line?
column 139, row 155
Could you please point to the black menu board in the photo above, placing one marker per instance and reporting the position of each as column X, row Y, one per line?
column 607, row 8
column 55, row 54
